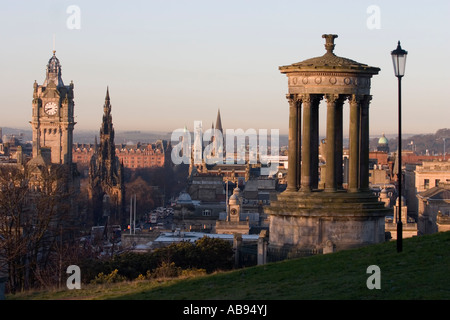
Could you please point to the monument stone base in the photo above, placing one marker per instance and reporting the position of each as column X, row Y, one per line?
column 323, row 222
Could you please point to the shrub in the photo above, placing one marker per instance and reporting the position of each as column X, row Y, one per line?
column 192, row 272
column 214, row 254
column 208, row 254
column 167, row 270
column 141, row 277
column 113, row 277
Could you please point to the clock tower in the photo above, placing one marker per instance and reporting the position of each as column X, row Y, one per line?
column 234, row 206
column 52, row 116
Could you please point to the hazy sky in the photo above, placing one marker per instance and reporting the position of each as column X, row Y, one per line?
column 170, row 63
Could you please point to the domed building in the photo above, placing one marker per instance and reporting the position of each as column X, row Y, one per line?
column 383, row 144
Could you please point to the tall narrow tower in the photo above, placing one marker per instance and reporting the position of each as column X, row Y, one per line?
column 219, row 122
column 218, row 138
column 53, row 115
column 106, row 186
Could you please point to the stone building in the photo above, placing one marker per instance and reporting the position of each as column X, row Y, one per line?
column 206, row 187
column 106, row 182
column 421, row 176
column 142, row 155
column 308, row 216
column 136, row 156
column 52, row 125
column 53, row 115
column 195, row 215
column 233, row 222
column 434, row 209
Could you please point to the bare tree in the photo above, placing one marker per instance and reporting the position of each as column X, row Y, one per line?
column 35, row 215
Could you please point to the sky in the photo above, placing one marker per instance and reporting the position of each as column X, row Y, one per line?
column 169, row 63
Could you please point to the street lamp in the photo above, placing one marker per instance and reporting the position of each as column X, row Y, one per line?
column 399, row 60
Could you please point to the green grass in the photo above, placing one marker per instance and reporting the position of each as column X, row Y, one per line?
column 421, row 271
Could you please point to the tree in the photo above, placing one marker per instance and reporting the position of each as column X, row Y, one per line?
column 14, row 190
column 35, row 217
column 147, row 198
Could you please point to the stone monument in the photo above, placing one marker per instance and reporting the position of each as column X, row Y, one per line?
column 309, row 217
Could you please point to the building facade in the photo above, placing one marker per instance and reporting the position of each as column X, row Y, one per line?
column 50, row 169
column 136, row 156
column 422, row 176
column 434, row 209
column 52, row 119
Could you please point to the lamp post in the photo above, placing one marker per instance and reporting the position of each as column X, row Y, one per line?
column 399, row 60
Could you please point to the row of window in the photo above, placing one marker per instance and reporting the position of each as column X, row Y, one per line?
column 426, row 182
column 85, row 157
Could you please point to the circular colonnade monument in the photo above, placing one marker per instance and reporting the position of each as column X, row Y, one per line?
column 323, row 215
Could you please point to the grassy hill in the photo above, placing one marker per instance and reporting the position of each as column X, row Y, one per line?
column 421, row 271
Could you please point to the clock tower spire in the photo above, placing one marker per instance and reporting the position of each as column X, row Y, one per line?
column 53, row 115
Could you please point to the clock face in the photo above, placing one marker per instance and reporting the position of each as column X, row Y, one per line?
column 51, row 108
column 233, row 212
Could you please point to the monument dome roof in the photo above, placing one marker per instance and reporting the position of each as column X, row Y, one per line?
column 330, row 61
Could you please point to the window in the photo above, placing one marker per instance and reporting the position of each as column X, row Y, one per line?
column 426, row 183
column 206, row 213
column 436, row 182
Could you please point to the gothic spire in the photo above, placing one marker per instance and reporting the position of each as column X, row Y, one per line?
column 107, row 106
column 219, row 122
column 106, row 171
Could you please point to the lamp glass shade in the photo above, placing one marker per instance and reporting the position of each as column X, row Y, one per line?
column 399, row 60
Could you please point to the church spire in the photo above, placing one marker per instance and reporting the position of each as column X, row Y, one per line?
column 107, row 106
column 219, row 122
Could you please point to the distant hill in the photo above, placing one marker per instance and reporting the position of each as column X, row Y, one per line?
column 433, row 143
column 421, row 143
column 88, row 136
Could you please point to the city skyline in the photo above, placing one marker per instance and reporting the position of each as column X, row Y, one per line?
column 168, row 64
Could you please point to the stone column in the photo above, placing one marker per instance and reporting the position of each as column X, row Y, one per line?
column 330, row 177
column 299, row 141
column 237, row 244
column 315, row 140
column 306, row 144
column 353, row 171
column 339, row 141
column 293, row 159
column 364, row 144
column 262, row 248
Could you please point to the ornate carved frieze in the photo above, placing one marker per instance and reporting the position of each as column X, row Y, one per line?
column 328, row 83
